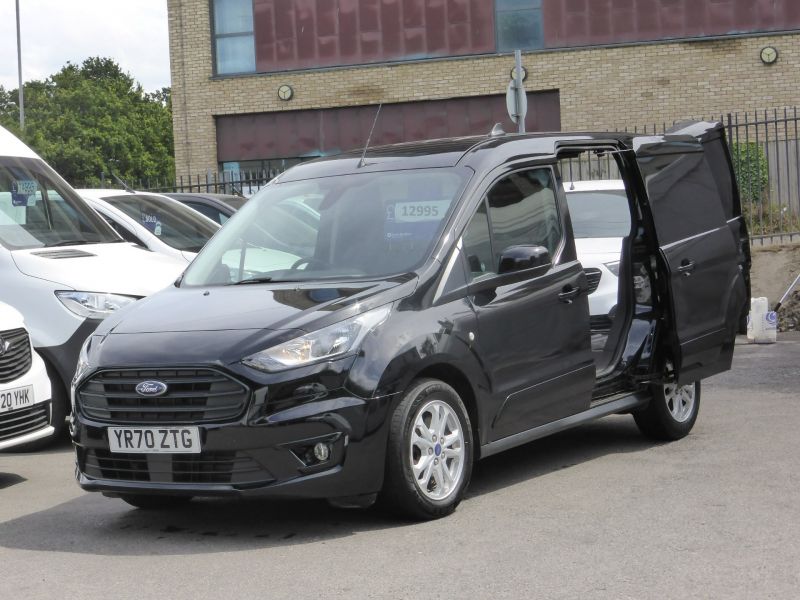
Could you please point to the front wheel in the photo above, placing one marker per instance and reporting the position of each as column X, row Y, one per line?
column 672, row 411
column 429, row 457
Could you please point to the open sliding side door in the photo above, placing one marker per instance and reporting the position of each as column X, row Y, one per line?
column 693, row 201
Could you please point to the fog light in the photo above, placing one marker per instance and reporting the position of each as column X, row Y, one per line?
column 322, row 452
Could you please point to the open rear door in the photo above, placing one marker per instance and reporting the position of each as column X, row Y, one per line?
column 693, row 201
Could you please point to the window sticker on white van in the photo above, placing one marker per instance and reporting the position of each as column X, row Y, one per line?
column 23, row 192
column 151, row 223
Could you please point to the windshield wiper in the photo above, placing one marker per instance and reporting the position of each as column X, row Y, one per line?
column 252, row 280
column 68, row 243
column 266, row 280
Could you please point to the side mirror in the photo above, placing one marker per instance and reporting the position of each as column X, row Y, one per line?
column 519, row 258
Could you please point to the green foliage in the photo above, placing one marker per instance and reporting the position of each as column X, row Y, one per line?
column 752, row 171
column 764, row 218
column 93, row 118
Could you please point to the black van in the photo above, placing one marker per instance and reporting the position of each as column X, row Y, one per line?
column 369, row 326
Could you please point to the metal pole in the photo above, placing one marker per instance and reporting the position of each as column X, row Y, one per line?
column 520, row 90
column 19, row 69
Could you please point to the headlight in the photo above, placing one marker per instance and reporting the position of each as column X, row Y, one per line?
column 613, row 267
column 325, row 344
column 93, row 304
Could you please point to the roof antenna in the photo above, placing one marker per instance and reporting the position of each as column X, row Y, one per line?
column 497, row 130
column 363, row 161
column 125, row 186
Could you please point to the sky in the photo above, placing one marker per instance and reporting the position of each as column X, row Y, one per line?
column 54, row 32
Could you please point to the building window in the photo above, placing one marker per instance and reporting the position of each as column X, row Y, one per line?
column 519, row 25
column 233, row 36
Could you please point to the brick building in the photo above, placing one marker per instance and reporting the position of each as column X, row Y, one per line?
column 261, row 84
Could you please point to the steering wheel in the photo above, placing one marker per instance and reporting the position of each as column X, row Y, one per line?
column 310, row 260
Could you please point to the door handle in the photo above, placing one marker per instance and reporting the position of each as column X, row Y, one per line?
column 568, row 294
column 686, row 267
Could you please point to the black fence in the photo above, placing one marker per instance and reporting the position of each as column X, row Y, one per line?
column 240, row 183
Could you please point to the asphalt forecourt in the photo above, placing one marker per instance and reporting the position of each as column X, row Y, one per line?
column 594, row 512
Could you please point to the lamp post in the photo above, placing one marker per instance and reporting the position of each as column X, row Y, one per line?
column 19, row 69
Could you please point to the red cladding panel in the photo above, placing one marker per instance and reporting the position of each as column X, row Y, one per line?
column 569, row 23
column 300, row 34
column 293, row 134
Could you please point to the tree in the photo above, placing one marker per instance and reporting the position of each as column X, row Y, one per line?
column 94, row 118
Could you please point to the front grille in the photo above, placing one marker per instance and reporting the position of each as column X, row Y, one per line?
column 193, row 396
column 16, row 360
column 25, row 420
column 593, row 277
column 209, row 467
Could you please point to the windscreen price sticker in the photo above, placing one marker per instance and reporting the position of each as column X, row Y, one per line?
column 25, row 187
column 413, row 212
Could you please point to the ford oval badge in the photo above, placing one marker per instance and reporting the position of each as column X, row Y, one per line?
column 151, row 388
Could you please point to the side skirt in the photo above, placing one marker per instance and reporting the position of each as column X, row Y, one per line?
column 608, row 408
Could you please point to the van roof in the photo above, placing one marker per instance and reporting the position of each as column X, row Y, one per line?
column 10, row 145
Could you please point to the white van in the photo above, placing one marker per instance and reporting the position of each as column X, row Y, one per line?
column 62, row 266
column 24, row 385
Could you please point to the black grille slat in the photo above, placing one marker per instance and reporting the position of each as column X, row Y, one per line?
column 593, row 277
column 105, row 379
column 208, row 467
column 193, row 396
column 22, row 421
column 16, row 361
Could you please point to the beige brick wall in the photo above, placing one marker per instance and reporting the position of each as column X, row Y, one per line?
column 601, row 88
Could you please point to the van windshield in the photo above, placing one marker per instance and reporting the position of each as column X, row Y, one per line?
column 170, row 221
column 364, row 225
column 39, row 210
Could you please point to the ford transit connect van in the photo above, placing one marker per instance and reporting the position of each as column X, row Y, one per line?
column 431, row 312
column 62, row 266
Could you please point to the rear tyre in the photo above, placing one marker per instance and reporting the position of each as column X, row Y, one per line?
column 672, row 411
column 429, row 456
column 154, row 502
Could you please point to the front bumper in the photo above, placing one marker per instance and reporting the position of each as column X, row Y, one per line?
column 266, row 455
column 25, row 425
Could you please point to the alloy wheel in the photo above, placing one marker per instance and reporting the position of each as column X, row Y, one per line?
column 437, row 450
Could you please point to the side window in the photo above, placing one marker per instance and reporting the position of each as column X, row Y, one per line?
column 523, row 212
column 477, row 246
column 208, row 211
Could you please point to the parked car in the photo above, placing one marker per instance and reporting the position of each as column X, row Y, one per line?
column 600, row 221
column 217, row 207
column 24, row 385
column 62, row 266
column 153, row 221
column 437, row 314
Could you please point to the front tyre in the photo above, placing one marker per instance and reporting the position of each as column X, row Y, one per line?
column 429, row 457
column 672, row 411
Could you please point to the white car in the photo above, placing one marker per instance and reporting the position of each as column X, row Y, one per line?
column 153, row 221
column 600, row 220
column 62, row 266
column 24, row 385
